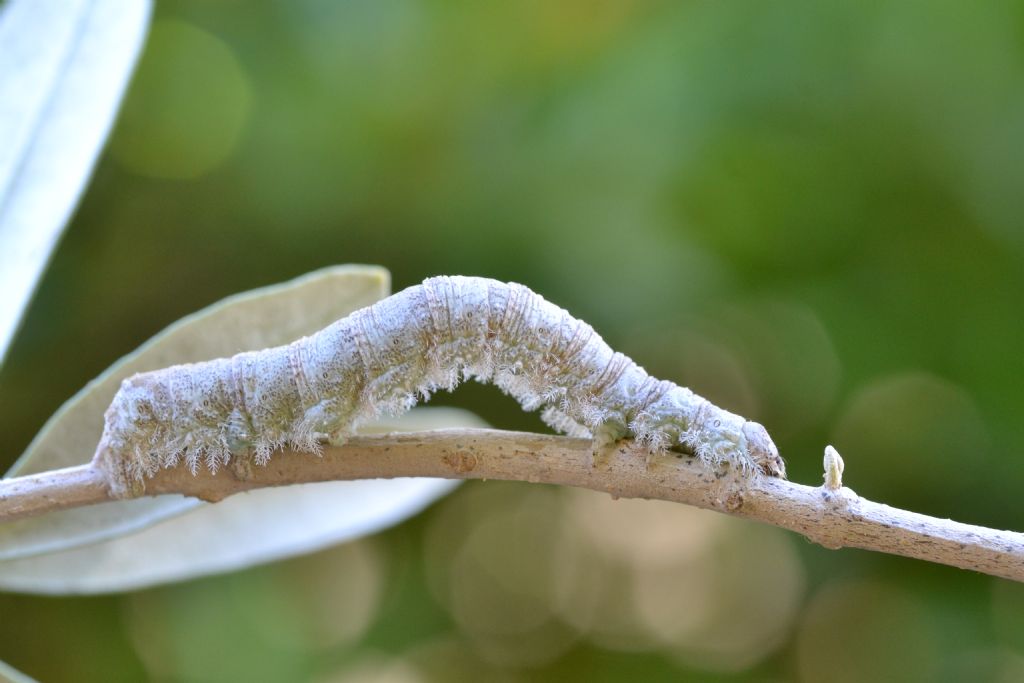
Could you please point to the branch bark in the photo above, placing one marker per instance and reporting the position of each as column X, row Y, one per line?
column 828, row 515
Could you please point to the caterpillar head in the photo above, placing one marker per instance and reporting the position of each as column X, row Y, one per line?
column 763, row 451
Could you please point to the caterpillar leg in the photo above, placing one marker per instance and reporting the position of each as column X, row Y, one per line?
column 605, row 439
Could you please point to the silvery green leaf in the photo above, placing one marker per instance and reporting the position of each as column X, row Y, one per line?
column 242, row 530
column 9, row 674
column 253, row 320
column 64, row 65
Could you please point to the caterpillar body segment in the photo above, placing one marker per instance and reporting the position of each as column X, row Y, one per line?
column 385, row 358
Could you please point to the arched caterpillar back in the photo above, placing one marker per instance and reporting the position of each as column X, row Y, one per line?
column 383, row 359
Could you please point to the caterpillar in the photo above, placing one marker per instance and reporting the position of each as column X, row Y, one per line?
column 383, row 359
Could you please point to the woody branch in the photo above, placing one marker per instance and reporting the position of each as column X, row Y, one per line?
column 830, row 515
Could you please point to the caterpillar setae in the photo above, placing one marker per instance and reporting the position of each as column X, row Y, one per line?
column 383, row 359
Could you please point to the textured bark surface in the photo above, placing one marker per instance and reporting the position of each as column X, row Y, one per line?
column 834, row 518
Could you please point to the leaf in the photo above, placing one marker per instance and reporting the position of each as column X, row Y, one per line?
column 63, row 70
column 8, row 674
column 243, row 530
column 254, row 320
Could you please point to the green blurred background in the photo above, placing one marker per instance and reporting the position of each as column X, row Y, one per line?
column 810, row 212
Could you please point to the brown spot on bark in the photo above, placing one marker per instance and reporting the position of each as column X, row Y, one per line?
column 460, row 462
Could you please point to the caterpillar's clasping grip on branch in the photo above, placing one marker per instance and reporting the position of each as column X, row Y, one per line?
column 383, row 359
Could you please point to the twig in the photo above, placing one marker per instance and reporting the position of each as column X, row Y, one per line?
column 35, row 494
column 830, row 515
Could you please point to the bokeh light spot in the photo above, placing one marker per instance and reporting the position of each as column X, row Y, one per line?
column 917, row 428
column 702, row 363
column 491, row 563
column 187, row 108
column 998, row 665
column 325, row 600
column 792, row 361
column 854, row 631
column 1008, row 613
column 375, row 669
column 278, row 615
column 652, row 575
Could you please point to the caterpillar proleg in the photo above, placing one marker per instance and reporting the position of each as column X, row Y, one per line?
column 383, row 359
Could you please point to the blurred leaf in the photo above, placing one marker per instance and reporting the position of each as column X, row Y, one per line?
column 64, row 66
column 264, row 317
column 243, row 530
column 9, row 674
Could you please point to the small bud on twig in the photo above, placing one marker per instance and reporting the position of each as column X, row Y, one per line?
column 833, row 469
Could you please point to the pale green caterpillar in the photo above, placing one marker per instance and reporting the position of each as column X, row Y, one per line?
column 383, row 359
